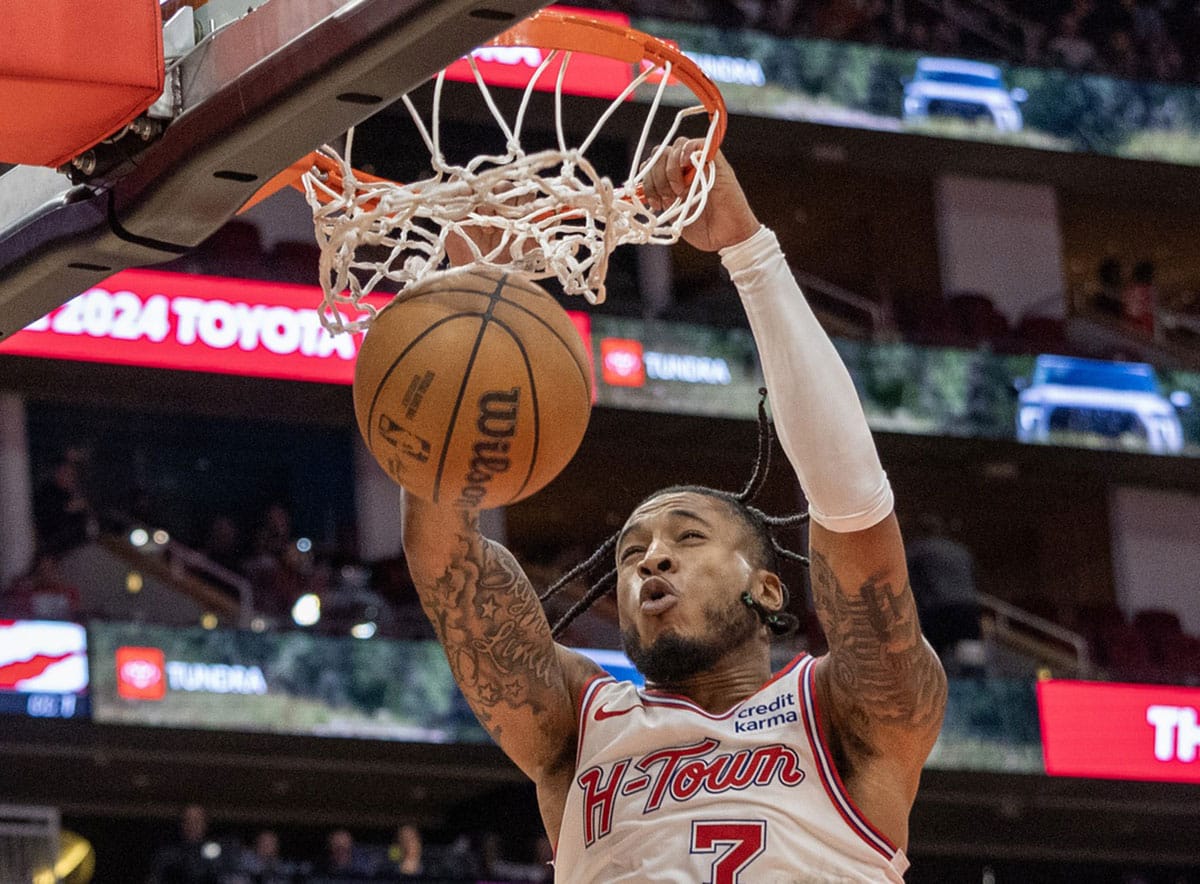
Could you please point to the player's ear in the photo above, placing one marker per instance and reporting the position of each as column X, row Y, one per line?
column 770, row 590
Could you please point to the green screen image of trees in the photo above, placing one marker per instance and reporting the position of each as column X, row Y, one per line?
column 316, row 685
column 936, row 390
column 862, row 86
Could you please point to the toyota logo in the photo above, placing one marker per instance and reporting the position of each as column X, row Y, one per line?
column 622, row 362
column 140, row 673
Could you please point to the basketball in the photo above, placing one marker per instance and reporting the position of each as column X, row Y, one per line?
column 473, row 388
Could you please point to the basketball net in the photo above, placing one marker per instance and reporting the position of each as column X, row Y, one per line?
column 554, row 214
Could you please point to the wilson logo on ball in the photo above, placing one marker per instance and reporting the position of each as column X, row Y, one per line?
column 473, row 388
column 498, row 422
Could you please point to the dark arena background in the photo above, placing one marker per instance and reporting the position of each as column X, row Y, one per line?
column 213, row 665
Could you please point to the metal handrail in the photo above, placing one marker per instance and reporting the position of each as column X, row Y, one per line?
column 811, row 283
column 29, row 842
column 196, row 561
column 1006, row 612
column 180, row 558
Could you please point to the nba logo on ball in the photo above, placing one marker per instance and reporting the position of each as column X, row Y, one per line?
column 140, row 673
column 473, row 388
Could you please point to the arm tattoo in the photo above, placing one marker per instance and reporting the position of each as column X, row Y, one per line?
column 497, row 641
column 881, row 668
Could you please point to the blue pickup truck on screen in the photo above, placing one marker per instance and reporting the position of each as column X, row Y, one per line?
column 1117, row 401
column 971, row 90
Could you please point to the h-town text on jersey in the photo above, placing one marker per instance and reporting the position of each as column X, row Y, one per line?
column 680, row 773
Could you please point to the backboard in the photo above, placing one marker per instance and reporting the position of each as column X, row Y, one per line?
column 254, row 93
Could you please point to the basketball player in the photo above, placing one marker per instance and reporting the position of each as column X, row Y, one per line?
column 717, row 771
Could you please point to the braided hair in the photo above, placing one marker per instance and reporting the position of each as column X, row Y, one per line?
column 762, row 528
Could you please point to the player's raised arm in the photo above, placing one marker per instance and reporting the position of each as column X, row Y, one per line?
column 882, row 687
column 520, row 683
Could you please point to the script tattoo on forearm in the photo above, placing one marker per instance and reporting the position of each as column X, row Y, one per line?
column 880, row 663
column 488, row 619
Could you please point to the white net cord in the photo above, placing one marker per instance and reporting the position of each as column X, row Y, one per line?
column 545, row 214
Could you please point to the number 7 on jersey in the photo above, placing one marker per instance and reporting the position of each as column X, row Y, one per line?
column 742, row 840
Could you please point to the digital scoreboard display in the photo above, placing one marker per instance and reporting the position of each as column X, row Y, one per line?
column 43, row 669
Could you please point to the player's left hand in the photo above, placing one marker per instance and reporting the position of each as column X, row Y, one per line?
column 727, row 218
column 487, row 237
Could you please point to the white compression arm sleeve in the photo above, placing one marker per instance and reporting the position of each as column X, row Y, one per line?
column 818, row 417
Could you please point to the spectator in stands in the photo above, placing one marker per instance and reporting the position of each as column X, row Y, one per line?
column 263, row 863
column 1122, row 58
column 1139, row 299
column 223, row 543
column 946, row 38
column 193, row 859
column 457, row 859
column 1098, row 20
column 405, row 853
column 1168, row 63
column 1149, row 26
column 942, row 572
column 342, row 860
column 274, row 532
column 63, row 517
column 1107, row 298
column 918, row 36
column 1070, row 48
column 278, row 570
column 496, row 866
column 41, row 594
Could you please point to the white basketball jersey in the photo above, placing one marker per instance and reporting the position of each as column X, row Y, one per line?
column 666, row 792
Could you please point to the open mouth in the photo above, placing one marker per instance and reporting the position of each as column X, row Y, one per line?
column 657, row 596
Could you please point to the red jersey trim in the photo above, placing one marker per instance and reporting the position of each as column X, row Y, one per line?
column 586, row 694
column 591, row 688
column 829, row 776
column 652, row 697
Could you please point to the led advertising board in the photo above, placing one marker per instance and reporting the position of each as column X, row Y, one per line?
column 1120, row 731
column 189, row 322
column 266, row 329
column 585, row 75
column 863, row 86
column 675, row 368
column 194, row 323
column 291, row 682
column 43, row 669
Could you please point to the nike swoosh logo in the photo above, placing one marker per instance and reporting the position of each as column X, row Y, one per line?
column 602, row 713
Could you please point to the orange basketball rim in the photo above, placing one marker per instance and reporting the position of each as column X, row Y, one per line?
column 556, row 214
column 553, row 31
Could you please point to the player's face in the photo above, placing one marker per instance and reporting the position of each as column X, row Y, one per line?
column 682, row 565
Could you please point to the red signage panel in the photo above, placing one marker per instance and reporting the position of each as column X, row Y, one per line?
column 583, row 324
column 514, row 66
column 39, row 656
column 1120, row 731
column 194, row 323
column 213, row 324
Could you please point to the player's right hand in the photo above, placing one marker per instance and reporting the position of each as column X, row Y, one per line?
column 727, row 218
